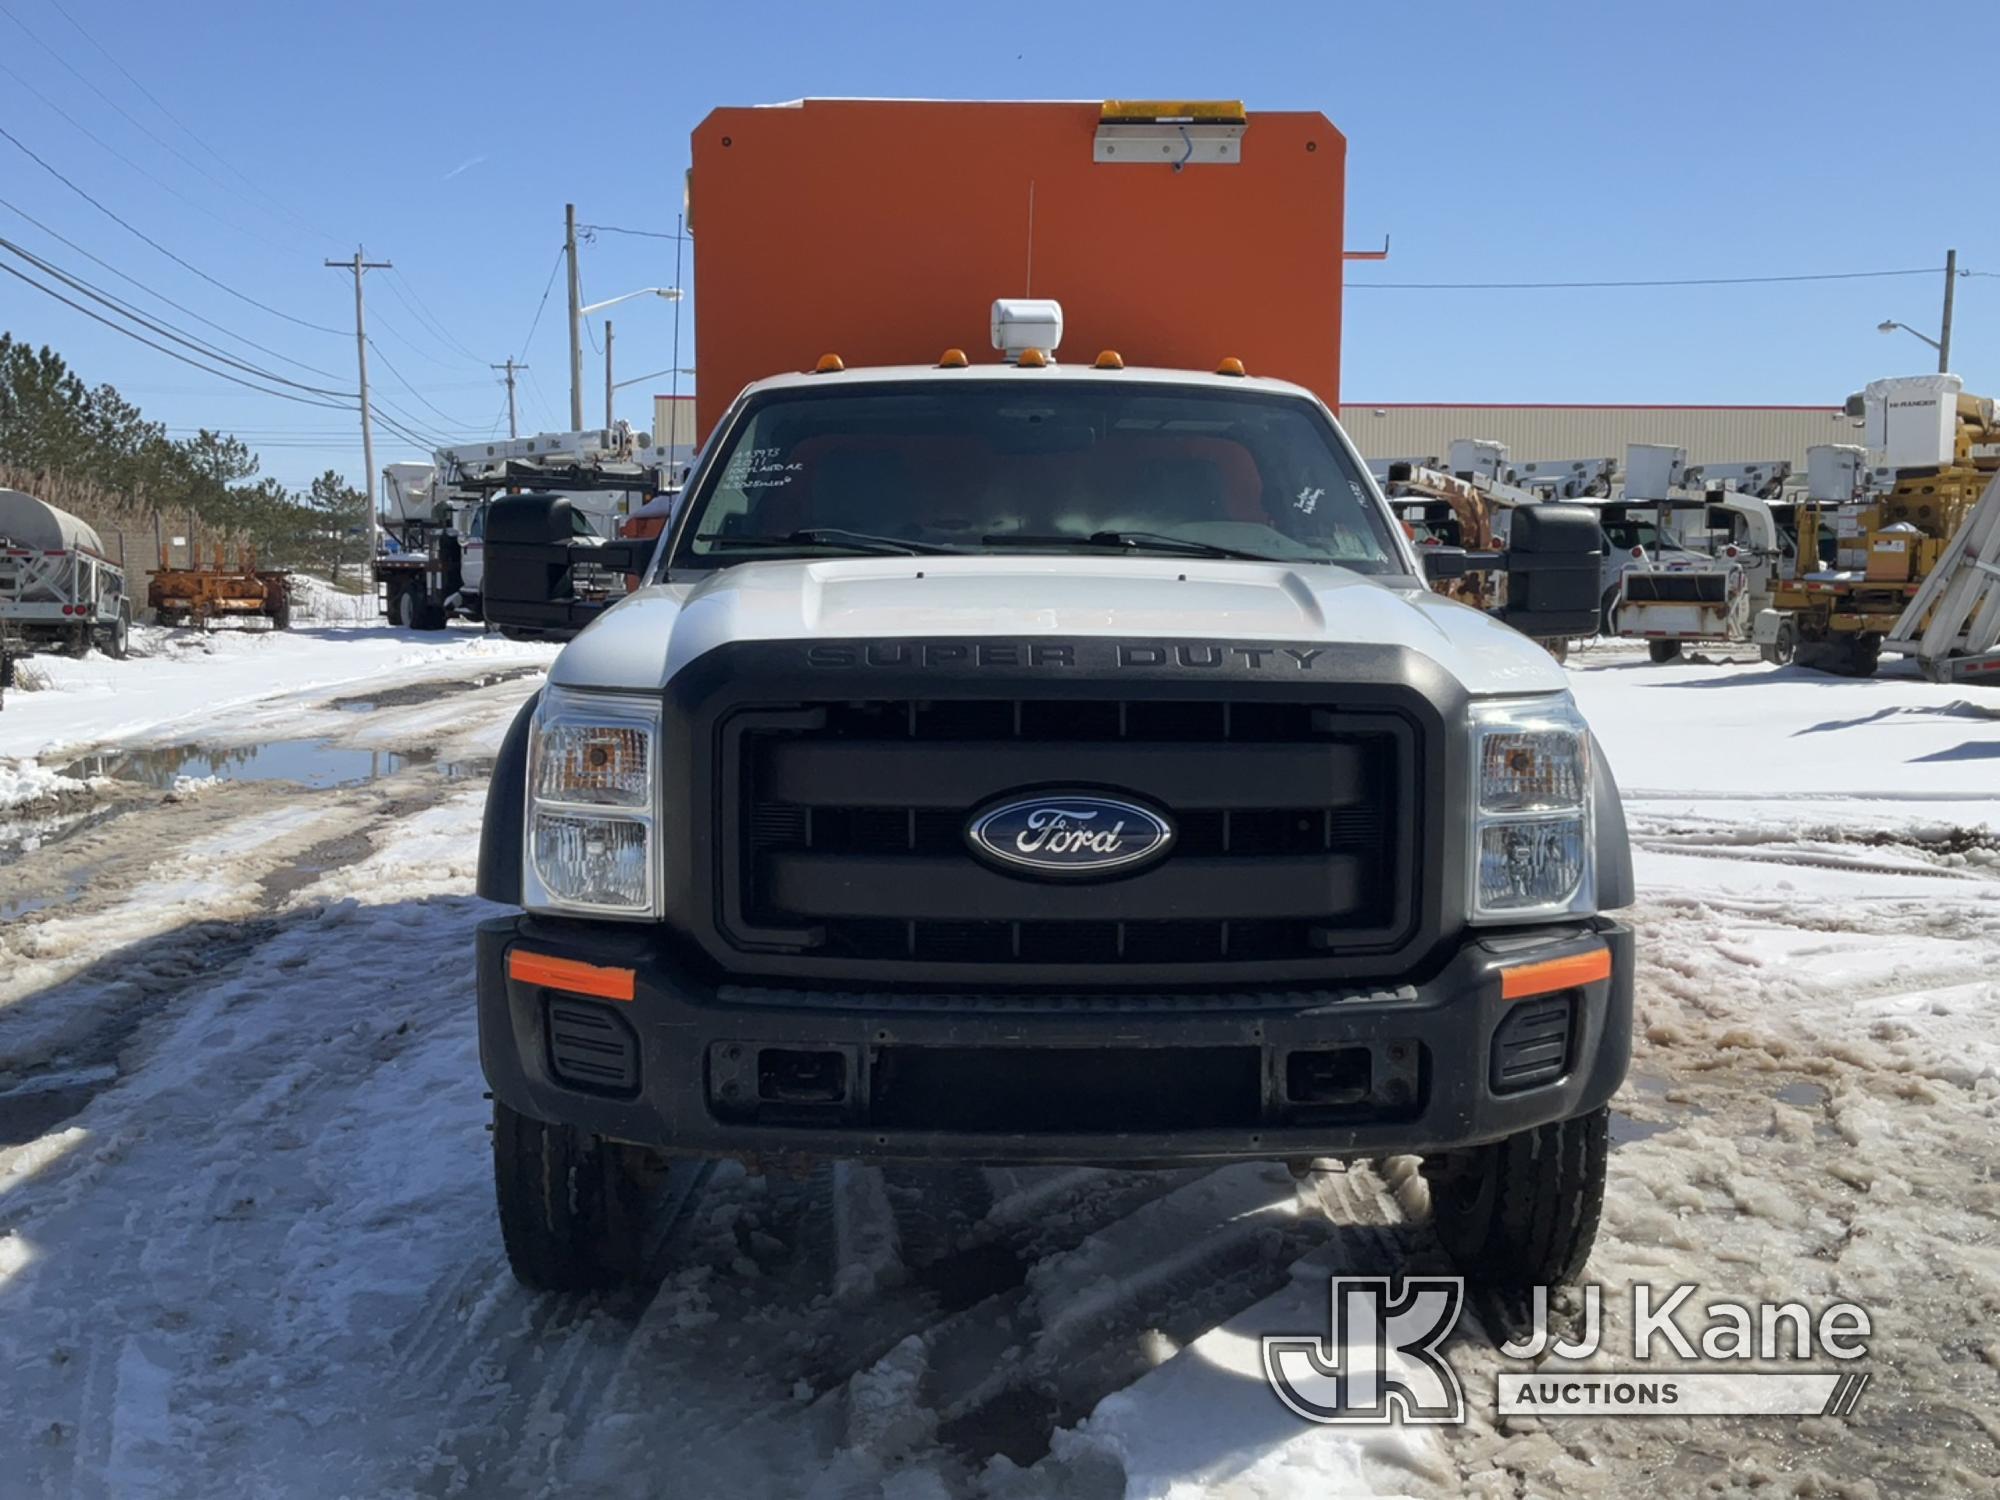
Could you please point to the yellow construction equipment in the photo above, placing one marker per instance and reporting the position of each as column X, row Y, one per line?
column 1932, row 450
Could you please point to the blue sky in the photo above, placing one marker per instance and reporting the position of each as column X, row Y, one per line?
column 1492, row 142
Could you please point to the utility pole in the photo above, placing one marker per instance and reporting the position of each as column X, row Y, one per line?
column 513, row 426
column 674, row 403
column 575, row 321
column 357, row 266
column 607, row 374
column 1944, row 333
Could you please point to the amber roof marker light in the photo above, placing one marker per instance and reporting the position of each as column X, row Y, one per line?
column 829, row 364
column 953, row 359
column 1177, row 132
column 1108, row 359
column 1032, row 359
column 1231, row 366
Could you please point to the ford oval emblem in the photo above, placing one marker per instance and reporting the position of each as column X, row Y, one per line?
column 1063, row 836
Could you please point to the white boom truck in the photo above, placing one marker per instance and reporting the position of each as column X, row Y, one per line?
column 432, row 566
column 1716, row 560
column 1017, row 760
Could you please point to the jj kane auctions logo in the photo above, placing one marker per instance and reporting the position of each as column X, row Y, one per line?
column 1380, row 1359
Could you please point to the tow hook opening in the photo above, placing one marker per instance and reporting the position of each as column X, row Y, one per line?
column 776, row 1085
column 1338, row 1075
column 1363, row 1081
column 788, row 1075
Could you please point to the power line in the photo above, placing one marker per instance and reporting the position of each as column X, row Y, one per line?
column 548, row 406
column 110, row 150
column 161, row 296
column 396, row 332
column 429, row 319
column 646, row 234
column 170, row 353
column 581, row 298
column 448, row 417
column 1519, row 286
column 397, row 429
column 451, row 356
column 542, row 304
column 136, row 124
column 165, row 330
column 177, row 260
column 183, row 126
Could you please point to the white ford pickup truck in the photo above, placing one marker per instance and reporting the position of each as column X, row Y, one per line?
column 1034, row 763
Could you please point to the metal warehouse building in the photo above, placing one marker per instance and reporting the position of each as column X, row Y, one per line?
column 1711, row 434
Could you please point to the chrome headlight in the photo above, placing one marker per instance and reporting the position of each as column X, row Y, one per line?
column 1533, row 842
column 592, row 826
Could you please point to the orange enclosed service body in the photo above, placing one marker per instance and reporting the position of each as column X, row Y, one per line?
column 882, row 230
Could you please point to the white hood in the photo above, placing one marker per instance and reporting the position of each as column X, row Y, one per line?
column 644, row 640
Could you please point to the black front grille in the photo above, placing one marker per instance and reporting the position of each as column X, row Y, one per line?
column 844, row 836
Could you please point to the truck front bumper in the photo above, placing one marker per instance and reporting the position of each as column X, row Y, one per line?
column 1514, row 1031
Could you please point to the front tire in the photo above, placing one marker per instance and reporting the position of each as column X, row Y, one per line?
column 574, row 1207
column 1779, row 652
column 1661, row 651
column 1523, row 1211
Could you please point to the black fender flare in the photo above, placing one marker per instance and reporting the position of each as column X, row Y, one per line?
column 1615, row 885
column 500, row 831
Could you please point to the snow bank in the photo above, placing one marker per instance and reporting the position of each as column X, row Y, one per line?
column 317, row 602
column 190, row 683
column 25, row 781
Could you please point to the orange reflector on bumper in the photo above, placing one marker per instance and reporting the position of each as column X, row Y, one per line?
column 1553, row 974
column 569, row 974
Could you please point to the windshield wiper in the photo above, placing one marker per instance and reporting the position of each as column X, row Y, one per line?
column 829, row 536
column 1130, row 541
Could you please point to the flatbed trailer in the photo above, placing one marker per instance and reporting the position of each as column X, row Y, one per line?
column 200, row 596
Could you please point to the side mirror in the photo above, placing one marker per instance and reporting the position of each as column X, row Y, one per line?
column 1445, row 563
column 1554, row 559
column 541, row 579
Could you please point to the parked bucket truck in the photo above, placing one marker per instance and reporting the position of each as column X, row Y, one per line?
column 432, row 565
column 1717, row 556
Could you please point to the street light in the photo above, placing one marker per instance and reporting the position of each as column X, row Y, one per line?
column 1890, row 325
column 1942, row 343
column 670, row 293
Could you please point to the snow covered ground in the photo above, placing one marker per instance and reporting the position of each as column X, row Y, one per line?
column 247, row 1245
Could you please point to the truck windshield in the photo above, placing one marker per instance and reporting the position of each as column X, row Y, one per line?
column 1037, row 464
